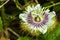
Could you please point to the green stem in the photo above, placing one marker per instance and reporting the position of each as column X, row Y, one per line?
column 4, row 3
column 18, row 5
column 21, row 7
column 52, row 5
column 1, row 27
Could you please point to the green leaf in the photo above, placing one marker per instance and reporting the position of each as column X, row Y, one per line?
column 20, row 38
column 24, row 38
column 0, row 24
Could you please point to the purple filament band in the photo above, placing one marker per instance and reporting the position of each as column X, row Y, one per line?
column 30, row 20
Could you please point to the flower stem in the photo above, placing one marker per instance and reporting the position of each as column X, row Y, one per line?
column 4, row 3
column 18, row 5
column 52, row 5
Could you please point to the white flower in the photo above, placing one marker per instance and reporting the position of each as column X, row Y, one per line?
column 37, row 18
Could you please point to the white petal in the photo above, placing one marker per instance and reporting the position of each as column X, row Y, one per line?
column 37, row 6
column 43, row 30
column 52, row 14
column 50, row 22
column 45, row 27
column 23, row 17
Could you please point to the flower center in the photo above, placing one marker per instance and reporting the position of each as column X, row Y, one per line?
column 37, row 19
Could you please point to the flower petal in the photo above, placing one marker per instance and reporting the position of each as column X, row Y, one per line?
column 52, row 14
column 23, row 17
column 43, row 29
column 50, row 22
column 37, row 6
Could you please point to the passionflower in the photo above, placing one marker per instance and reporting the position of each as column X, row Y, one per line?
column 37, row 20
